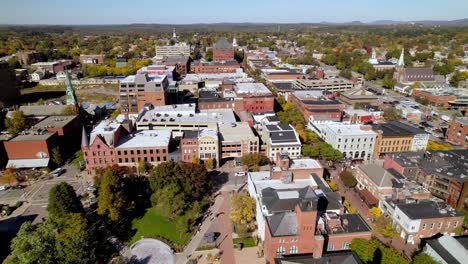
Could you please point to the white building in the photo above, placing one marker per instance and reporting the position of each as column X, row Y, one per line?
column 281, row 139
column 37, row 76
column 179, row 49
column 354, row 141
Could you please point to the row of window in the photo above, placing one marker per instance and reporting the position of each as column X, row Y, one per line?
column 439, row 225
column 394, row 149
column 395, row 142
column 281, row 250
column 352, row 146
column 358, row 140
column 331, row 246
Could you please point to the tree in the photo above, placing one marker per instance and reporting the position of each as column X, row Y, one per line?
column 242, row 211
column 14, row 63
column 62, row 202
column 432, row 145
column 196, row 160
column 141, row 167
column 209, row 163
column 111, row 200
column 375, row 211
column 383, row 225
column 391, row 114
column 56, row 156
column 423, row 258
column 364, row 248
column 79, row 160
column 209, row 55
column 8, row 176
column 346, row 73
column 34, row 244
column 388, row 82
column 16, row 123
column 116, row 113
column 41, row 101
column 348, row 179
column 254, row 160
column 333, row 186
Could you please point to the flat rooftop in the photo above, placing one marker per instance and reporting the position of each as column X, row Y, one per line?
column 55, row 121
column 240, row 131
column 251, row 88
column 188, row 115
column 427, row 210
column 302, row 164
column 349, row 130
column 146, row 139
column 33, row 136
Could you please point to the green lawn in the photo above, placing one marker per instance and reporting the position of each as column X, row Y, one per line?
column 154, row 225
column 248, row 241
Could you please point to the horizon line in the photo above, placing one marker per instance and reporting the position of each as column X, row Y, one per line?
column 391, row 21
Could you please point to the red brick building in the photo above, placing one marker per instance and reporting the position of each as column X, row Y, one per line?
column 223, row 50
column 34, row 146
column 111, row 144
column 31, row 149
column 215, row 67
column 253, row 98
column 140, row 89
column 457, row 132
column 301, row 230
column 436, row 100
column 312, row 103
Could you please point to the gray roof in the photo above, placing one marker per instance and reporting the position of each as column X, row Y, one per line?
column 344, row 257
column 395, row 128
column 448, row 164
column 275, row 201
column 380, row 176
column 451, row 249
column 427, row 210
column 222, row 44
column 40, row 110
column 283, row 224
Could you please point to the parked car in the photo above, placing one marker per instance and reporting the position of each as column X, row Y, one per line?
column 91, row 189
column 57, row 172
column 18, row 187
column 240, row 174
column 3, row 188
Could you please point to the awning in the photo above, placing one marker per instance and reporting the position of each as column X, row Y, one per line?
column 368, row 198
column 28, row 163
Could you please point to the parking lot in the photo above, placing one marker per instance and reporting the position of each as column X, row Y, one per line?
column 36, row 194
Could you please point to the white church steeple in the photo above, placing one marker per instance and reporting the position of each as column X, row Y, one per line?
column 401, row 61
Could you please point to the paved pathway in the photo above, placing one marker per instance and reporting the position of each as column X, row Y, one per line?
column 194, row 242
column 225, row 228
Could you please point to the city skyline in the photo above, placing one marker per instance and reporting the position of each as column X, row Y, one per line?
column 87, row 12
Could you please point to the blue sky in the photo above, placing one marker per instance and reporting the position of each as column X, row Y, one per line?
column 212, row 11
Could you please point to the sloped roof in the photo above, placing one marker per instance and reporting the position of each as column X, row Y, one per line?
column 283, row 224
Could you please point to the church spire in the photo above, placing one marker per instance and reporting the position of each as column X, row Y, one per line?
column 174, row 35
column 401, row 61
column 71, row 97
column 84, row 138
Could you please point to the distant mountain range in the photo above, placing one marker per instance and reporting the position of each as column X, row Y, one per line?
column 457, row 22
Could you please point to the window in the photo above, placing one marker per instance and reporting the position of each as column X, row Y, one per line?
column 330, row 247
column 280, row 251
column 293, row 250
column 432, row 225
column 345, row 245
column 424, row 227
column 455, row 224
column 447, row 225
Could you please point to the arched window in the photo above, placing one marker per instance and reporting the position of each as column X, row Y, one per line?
column 293, row 250
column 363, row 154
column 356, row 154
column 280, row 251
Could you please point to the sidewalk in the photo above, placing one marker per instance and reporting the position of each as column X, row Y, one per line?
column 182, row 258
column 225, row 239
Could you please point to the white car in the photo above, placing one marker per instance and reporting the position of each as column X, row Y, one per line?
column 56, row 172
column 3, row 188
column 240, row 174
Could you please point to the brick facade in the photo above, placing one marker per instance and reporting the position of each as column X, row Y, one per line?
column 457, row 132
column 434, row 100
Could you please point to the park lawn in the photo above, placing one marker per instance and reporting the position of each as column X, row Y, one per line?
column 153, row 225
column 248, row 241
